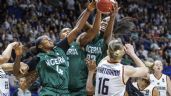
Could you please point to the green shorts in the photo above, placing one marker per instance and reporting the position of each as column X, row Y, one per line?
column 81, row 92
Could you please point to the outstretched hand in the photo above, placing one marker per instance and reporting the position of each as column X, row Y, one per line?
column 115, row 8
column 91, row 6
column 129, row 49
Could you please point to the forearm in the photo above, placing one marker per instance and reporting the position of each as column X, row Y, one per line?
column 6, row 54
column 89, row 84
column 96, row 24
column 7, row 66
column 16, row 66
column 91, row 34
column 81, row 22
column 109, row 29
column 73, row 34
column 137, row 60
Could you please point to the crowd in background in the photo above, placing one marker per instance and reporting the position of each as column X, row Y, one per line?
column 25, row 20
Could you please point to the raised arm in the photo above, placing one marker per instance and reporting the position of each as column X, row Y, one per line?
column 91, row 33
column 18, row 53
column 109, row 29
column 130, row 71
column 7, row 53
column 81, row 22
column 130, row 51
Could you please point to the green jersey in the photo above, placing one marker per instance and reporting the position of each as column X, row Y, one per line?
column 53, row 72
column 97, row 49
column 77, row 68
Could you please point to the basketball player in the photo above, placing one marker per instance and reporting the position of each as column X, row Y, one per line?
column 4, row 82
column 51, row 62
column 111, row 75
column 23, row 88
column 161, row 81
column 144, row 86
column 96, row 49
column 76, row 54
column 77, row 68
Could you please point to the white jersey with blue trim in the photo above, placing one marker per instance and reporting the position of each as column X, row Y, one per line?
column 160, row 84
column 109, row 79
column 4, row 84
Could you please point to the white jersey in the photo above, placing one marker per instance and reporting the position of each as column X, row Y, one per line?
column 148, row 91
column 160, row 84
column 109, row 79
column 4, row 84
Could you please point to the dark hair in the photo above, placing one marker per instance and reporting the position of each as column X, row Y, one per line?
column 132, row 91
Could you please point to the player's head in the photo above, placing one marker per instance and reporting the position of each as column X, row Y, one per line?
column 104, row 24
column 64, row 32
column 158, row 66
column 44, row 43
column 116, row 50
column 149, row 65
column 143, row 80
column 23, row 83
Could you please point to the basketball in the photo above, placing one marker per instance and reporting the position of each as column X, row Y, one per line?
column 104, row 6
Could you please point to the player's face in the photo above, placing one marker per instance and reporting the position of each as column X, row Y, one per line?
column 158, row 66
column 104, row 24
column 64, row 33
column 120, row 52
column 22, row 83
column 47, row 43
column 143, row 80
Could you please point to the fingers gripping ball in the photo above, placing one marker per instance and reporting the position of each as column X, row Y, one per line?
column 104, row 6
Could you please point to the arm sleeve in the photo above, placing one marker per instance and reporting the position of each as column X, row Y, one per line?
column 63, row 44
column 32, row 63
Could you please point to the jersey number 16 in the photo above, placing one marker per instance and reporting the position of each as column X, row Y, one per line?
column 103, row 88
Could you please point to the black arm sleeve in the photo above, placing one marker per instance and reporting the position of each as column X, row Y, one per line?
column 63, row 44
column 32, row 63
